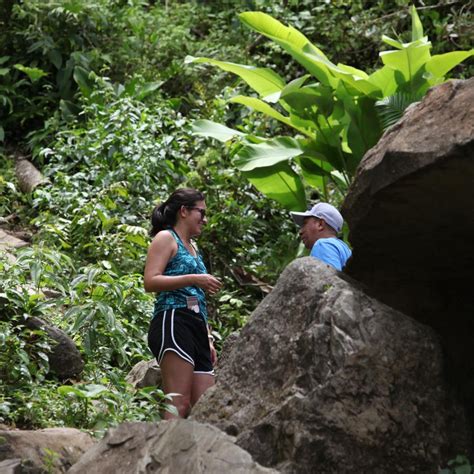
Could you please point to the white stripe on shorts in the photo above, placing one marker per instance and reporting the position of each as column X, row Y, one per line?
column 179, row 351
column 185, row 356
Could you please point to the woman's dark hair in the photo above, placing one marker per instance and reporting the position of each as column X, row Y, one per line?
column 164, row 215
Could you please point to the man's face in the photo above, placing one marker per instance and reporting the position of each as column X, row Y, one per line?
column 310, row 231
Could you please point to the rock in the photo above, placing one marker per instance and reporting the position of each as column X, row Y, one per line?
column 7, row 240
column 178, row 446
column 35, row 452
column 326, row 379
column 14, row 466
column 411, row 222
column 28, row 176
column 229, row 343
column 145, row 374
column 65, row 360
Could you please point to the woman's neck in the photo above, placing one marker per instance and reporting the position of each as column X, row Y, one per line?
column 183, row 233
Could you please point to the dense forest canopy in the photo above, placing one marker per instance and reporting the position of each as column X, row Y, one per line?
column 97, row 96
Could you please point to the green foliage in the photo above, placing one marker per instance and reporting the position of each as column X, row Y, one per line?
column 97, row 93
column 51, row 51
column 335, row 119
column 106, row 170
column 459, row 465
column 21, row 361
column 28, row 389
column 97, row 406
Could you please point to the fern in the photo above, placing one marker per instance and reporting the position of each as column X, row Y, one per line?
column 390, row 109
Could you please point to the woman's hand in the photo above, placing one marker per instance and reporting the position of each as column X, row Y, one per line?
column 208, row 283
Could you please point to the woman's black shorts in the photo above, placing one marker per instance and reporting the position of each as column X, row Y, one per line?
column 184, row 332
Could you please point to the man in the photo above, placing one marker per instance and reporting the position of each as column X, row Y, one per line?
column 318, row 231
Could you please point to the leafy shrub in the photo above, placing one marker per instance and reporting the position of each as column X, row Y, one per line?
column 335, row 119
column 459, row 465
column 108, row 123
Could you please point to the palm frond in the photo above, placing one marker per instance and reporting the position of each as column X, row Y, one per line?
column 390, row 109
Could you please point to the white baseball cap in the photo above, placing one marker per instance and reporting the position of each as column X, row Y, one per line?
column 324, row 211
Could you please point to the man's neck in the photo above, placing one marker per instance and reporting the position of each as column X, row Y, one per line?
column 327, row 234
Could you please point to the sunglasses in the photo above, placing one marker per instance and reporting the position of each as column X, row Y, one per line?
column 200, row 209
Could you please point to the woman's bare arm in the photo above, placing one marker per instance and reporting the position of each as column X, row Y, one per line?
column 161, row 251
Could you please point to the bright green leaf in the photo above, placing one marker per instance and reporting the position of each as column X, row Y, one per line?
column 264, row 81
column 93, row 390
column 384, row 79
column 294, row 42
column 281, row 183
column 33, row 73
column 392, row 42
column 67, row 390
column 292, row 86
column 416, row 26
column 215, row 130
column 408, row 60
column 440, row 64
column 260, row 106
column 268, row 153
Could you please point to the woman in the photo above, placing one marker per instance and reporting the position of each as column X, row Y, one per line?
column 179, row 336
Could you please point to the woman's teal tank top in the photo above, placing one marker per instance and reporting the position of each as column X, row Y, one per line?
column 183, row 263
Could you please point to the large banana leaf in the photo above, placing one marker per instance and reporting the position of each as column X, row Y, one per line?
column 291, row 87
column 307, row 54
column 281, row 183
column 320, row 150
column 267, row 153
column 292, row 41
column 317, row 173
column 440, row 64
column 207, row 128
column 416, row 26
column 337, row 117
column 316, row 97
column 260, row 106
column 263, row 80
column 384, row 79
column 408, row 60
column 351, row 76
column 364, row 129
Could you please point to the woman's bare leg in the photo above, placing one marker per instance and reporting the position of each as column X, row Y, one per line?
column 177, row 377
column 201, row 382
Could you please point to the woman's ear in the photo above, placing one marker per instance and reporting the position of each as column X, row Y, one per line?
column 182, row 211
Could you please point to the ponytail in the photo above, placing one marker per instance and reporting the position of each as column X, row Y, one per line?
column 164, row 215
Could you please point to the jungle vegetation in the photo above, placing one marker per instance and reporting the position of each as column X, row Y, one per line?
column 97, row 94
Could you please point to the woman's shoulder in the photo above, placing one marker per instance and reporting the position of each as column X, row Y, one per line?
column 164, row 237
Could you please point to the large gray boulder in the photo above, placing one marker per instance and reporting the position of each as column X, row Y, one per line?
column 325, row 379
column 179, row 446
column 411, row 220
column 65, row 360
column 48, row 450
column 146, row 373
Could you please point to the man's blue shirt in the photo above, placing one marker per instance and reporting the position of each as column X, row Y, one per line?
column 332, row 251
